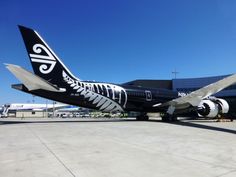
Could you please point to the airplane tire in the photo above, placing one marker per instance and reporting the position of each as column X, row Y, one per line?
column 169, row 118
column 166, row 118
column 142, row 118
column 174, row 118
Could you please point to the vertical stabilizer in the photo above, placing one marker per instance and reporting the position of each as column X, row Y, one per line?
column 44, row 61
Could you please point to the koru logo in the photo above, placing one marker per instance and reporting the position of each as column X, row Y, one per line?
column 48, row 61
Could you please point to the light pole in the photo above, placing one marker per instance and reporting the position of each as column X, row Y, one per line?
column 175, row 73
column 54, row 102
column 46, row 108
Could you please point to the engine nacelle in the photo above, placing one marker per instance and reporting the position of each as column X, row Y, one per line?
column 208, row 108
column 222, row 105
column 213, row 107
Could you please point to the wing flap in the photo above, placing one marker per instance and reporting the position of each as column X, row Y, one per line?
column 31, row 81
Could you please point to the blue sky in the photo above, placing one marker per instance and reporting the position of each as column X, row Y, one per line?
column 121, row 40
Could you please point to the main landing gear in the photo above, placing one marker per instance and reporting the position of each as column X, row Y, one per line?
column 165, row 118
column 169, row 118
column 142, row 117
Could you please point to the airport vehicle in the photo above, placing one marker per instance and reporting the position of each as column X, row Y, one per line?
column 53, row 80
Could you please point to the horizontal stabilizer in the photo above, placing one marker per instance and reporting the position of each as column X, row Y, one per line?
column 31, row 81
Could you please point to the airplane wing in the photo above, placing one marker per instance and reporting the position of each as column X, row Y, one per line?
column 31, row 81
column 194, row 98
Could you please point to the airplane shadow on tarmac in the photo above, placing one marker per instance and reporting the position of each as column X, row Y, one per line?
column 200, row 126
column 189, row 123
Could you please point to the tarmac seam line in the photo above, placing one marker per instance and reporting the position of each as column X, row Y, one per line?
column 143, row 148
column 50, row 151
column 231, row 171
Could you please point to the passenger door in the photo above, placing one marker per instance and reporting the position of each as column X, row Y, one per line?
column 148, row 95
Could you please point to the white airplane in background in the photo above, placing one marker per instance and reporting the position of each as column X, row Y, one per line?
column 30, row 107
column 35, row 107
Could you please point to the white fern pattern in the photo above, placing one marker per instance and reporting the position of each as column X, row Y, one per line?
column 106, row 97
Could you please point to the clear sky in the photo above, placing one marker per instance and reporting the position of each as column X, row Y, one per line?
column 121, row 40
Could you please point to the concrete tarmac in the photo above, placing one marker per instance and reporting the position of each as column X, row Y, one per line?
column 116, row 148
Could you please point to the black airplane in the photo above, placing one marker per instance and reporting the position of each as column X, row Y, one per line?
column 53, row 80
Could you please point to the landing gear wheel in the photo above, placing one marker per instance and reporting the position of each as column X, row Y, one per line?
column 142, row 118
column 169, row 118
column 174, row 118
column 165, row 118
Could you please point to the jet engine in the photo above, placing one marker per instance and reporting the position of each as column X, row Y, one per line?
column 213, row 107
column 208, row 108
column 222, row 105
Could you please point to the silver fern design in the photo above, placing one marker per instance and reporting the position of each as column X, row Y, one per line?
column 106, row 97
column 48, row 61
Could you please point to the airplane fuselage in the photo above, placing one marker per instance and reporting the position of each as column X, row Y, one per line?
column 109, row 97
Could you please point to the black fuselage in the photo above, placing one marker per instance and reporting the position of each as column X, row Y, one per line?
column 139, row 99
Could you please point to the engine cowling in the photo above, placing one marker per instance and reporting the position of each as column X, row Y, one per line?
column 222, row 105
column 208, row 108
column 213, row 107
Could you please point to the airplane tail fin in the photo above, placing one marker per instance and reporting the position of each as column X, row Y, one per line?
column 44, row 61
